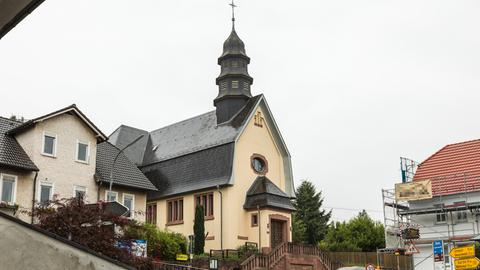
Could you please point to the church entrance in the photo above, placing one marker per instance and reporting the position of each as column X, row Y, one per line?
column 278, row 232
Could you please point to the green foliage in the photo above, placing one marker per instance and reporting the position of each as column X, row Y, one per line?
column 199, row 230
column 299, row 231
column 315, row 220
column 247, row 250
column 358, row 234
column 161, row 244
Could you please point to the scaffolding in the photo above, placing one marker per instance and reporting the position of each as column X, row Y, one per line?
column 452, row 215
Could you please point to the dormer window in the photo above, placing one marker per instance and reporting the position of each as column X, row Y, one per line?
column 49, row 144
column 83, row 152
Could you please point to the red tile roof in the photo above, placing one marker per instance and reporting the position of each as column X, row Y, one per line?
column 453, row 169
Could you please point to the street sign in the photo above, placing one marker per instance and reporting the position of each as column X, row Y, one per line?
column 370, row 267
column 182, row 257
column 438, row 250
column 464, row 264
column 411, row 249
column 463, row 252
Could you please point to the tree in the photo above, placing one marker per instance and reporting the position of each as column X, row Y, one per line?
column 308, row 205
column 358, row 234
column 89, row 225
column 298, row 230
column 199, row 230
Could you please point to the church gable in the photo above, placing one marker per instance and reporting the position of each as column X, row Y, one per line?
column 260, row 138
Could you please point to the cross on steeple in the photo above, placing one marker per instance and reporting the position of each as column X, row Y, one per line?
column 233, row 13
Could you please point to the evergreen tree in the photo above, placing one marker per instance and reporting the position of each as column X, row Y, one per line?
column 199, row 230
column 308, row 205
column 298, row 230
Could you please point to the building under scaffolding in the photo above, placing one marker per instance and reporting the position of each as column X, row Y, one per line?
column 450, row 214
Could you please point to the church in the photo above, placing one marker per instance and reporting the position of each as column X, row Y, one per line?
column 231, row 160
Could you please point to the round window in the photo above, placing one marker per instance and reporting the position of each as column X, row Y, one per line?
column 258, row 165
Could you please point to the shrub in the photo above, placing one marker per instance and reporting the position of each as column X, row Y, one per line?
column 160, row 244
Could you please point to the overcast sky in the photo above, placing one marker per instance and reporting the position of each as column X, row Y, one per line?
column 353, row 85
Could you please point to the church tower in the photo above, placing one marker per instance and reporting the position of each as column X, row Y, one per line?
column 234, row 81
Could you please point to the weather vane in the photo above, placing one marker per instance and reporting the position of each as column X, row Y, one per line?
column 233, row 13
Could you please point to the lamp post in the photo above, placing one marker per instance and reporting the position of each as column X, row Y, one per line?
column 118, row 154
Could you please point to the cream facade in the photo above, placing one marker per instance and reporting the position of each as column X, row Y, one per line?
column 63, row 147
column 62, row 170
column 139, row 200
column 232, row 225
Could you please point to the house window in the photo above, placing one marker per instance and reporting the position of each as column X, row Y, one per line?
column 80, row 192
column 441, row 218
column 82, row 152
column 175, row 211
column 8, row 188
column 254, row 220
column 462, row 216
column 111, row 196
column 235, row 84
column 205, row 200
column 152, row 214
column 49, row 145
column 129, row 202
column 446, row 251
column 46, row 192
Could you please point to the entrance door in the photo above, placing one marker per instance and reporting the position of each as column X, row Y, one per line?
column 277, row 232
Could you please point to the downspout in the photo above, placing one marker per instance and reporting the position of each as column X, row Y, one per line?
column 221, row 217
column 259, row 229
column 98, row 190
column 33, row 196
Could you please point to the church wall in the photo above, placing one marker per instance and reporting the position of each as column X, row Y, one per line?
column 212, row 227
column 254, row 140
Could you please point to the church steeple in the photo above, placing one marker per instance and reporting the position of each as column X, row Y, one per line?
column 234, row 81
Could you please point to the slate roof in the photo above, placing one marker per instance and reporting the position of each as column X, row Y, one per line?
column 264, row 193
column 202, row 170
column 175, row 157
column 11, row 153
column 125, row 172
column 453, row 169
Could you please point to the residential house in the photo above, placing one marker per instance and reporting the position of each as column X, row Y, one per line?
column 64, row 154
column 452, row 213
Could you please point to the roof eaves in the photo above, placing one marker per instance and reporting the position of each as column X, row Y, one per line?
column 72, row 107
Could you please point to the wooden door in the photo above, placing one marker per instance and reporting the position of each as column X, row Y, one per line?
column 277, row 232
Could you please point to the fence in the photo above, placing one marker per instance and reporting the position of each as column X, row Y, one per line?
column 171, row 266
column 386, row 261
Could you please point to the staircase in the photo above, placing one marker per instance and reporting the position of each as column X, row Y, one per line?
column 270, row 260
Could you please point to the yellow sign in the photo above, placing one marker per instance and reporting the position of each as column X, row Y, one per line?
column 463, row 252
column 464, row 264
column 182, row 257
column 412, row 191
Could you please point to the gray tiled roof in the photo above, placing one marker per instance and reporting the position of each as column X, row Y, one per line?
column 125, row 172
column 201, row 170
column 11, row 153
column 264, row 193
column 190, row 155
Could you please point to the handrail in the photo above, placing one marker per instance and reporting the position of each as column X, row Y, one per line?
column 271, row 259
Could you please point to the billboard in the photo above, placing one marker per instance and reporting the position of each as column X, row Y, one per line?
column 412, row 191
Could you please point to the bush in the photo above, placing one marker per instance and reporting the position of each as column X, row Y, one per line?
column 163, row 245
